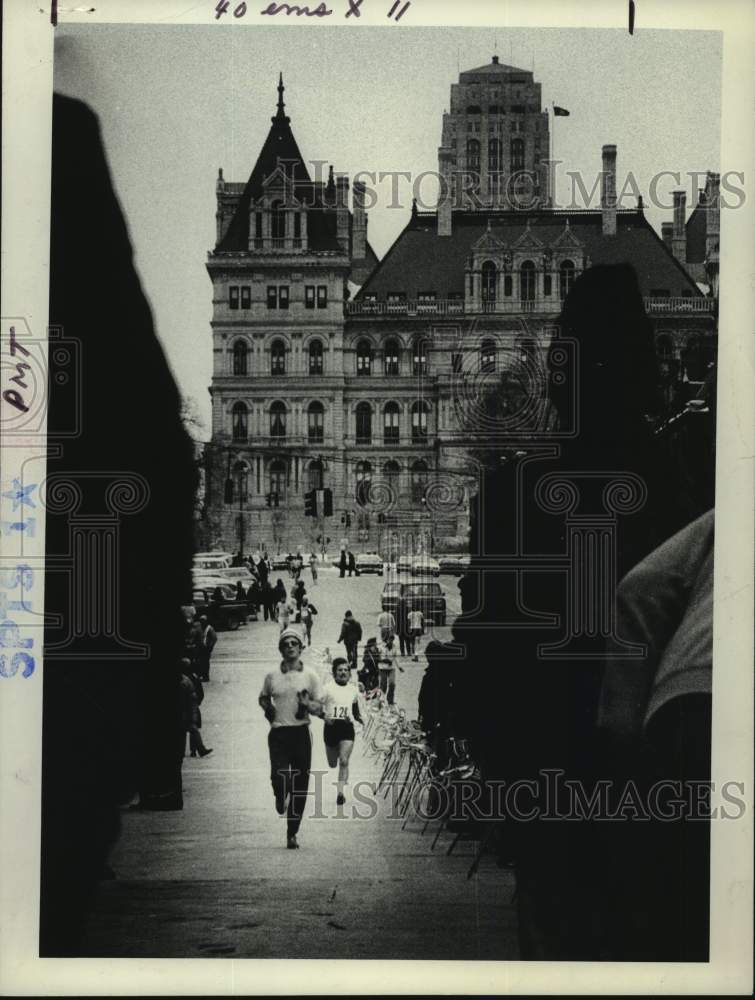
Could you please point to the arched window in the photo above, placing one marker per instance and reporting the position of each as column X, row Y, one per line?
column 391, row 416
column 240, row 358
column 315, row 474
column 419, row 480
column 363, row 479
column 364, row 357
column 277, row 220
column 487, row 356
column 364, row 423
column 420, row 410
column 390, row 357
column 489, row 281
column 494, row 155
column 527, row 281
column 473, row 155
column 517, row 154
column 277, row 358
column 315, row 357
column 566, row 274
column 278, row 477
column 392, row 473
column 240, row 421
column 315, row 423
column 278, row 420
column 419, row 357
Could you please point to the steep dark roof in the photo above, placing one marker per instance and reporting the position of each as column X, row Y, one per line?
column 280, row 151
column 422, row 261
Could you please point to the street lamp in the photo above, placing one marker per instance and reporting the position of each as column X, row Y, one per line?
column 241, row 468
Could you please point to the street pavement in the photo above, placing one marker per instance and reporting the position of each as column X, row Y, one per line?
column 217, row 880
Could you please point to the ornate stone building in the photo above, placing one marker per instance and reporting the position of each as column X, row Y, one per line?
column 287, row 249
column 380, row 396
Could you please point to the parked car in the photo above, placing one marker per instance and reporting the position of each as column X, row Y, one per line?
column 280, row 561
column 228, row 614
column 369, row 562
column 454, row 565
column 210, row 560
column 427, row 597
column 390, row 595
column 236, row 573
column 404, row 566
column 425, row 566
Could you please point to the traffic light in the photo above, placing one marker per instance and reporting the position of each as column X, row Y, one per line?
column 343, row 519
column 327, row 503
column 348, row 520
column 228, row 491
column 276, row 499
column 269, row 499
column 310, row 503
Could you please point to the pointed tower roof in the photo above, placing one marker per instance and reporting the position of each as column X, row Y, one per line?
column 279, row 151
column 493, row 68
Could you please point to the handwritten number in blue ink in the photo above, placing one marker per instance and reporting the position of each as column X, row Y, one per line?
column 15, row 663
column 22, row 576
column 17, row 642
column 222, row 8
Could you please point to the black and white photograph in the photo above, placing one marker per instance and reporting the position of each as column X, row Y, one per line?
column 359, row 492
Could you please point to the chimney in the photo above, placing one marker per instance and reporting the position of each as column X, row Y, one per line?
column 608, row 191
column 712, row 209
column 359, row 226
column 342, row 210
column 445, row 193
column 219, row 214
column 679, row 235
column 667, row 232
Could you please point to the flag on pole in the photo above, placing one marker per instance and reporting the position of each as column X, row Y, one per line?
column 560, row 112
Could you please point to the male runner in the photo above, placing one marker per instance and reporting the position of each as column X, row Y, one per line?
column 340, row 707
column 287, row 696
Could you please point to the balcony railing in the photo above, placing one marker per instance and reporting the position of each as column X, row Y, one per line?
column 679, row 304
column 455, row 307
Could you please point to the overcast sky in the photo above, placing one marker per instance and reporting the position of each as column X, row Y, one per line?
column 176, row 103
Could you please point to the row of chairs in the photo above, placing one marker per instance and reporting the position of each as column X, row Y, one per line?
column 423, row 791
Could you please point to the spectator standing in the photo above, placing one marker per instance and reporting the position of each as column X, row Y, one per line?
column 387, row 670
column 402, row 628
column 351, row 633
column 313, row 568
column 416, row 628
column 279, row 593
column 192, row 695
column 240, row 592
column 297, row 594
column 387, row 626
column 342, row 564
column 368, row 675
column 209, row 639
column 352, row 563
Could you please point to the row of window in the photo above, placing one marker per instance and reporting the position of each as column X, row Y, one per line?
column 567, row 273
column 278, row 477
column 495, row 154
column 499, row 109
column 315, row 296
column 365, row 357
column 316, row 422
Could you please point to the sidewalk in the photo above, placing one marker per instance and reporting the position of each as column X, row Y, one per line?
column 216, row 879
